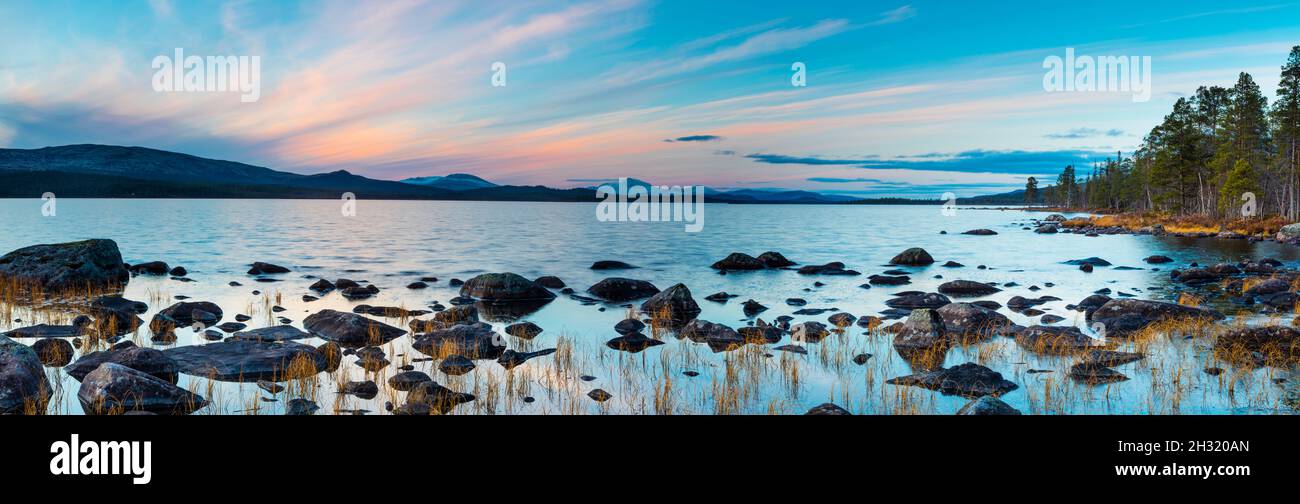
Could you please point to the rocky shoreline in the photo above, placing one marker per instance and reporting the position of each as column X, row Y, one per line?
column 117, row 376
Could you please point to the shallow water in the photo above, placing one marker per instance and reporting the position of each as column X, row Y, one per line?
column 393, row 243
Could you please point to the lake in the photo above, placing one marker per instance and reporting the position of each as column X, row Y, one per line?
column 394, row 243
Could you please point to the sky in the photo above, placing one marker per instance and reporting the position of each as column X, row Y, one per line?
column 911, row 98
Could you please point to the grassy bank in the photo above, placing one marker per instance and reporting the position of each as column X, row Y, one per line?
column 1262, row 226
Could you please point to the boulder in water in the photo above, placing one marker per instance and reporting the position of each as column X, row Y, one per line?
column 91, row 264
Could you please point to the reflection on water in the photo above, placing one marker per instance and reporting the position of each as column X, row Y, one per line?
column 392, row 244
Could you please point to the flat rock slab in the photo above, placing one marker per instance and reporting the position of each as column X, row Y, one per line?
column 271, row 334
column 350, row 329
column 246, row 361
column 44, row 331
column 967, row 380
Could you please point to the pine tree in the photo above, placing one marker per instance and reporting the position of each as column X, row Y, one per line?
column 1031, row 191
column 1241, row 180
column 1286, row 130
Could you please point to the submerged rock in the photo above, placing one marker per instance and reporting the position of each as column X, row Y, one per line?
column 918, row 301
column 1055, row 340
column 889, row 280
column 924, row 329
column 674, row 304
column 1271, row 345
column 550, row 282
column 967, row 288
column 476, row 341
column 623, row 289
column 408, row 380
column 967, row 380
column 23, row 384
column 44, row 331
column 832, row 268
column 752, row 308
column 261, row 268
column 1095, row 373
column 809, row 332
column 53, row 352
column 987, row 405
column 628, row 326
column 274, row 333
column 322, row 285
column 740, row 262
column 114, row 389
column 1110, row 358
column 611, row 265
column 1122, row 317
column 761, row 333
column 775, row 260
column 720, row 338
column 365, row 390
column 511, row 359
column 150, row 268
column 300, row 407
column 504, row 288
column 456, row 365
column 244, row 361
column 634, row 342
column 430, row 396
column 827, row 409
column 185, row 314
column 90, row 264
column 350, row 329
column 126, row 353
column 525, row 330
column 914, row 256
column 966, row 320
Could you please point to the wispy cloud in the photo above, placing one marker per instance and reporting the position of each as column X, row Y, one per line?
column 898, row 15
column 1077, row 133
column 695, row 138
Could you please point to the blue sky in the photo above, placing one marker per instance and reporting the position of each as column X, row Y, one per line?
column 907, row 98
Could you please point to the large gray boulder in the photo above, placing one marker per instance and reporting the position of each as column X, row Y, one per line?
column 676, row 304
column 1272, row 345
column 184, row 314
column 967, row 288
column 987, row 405
column 349, row 329
column 915, row 256
column 476, row 341
column 967, row 380
column 966, row 320
column 91, row 264
column 622, row 289
column 116, row 389
column 1122, row 317
column 248, row 361
column 923, row 329
column 720, row 338
column 126, row 353
column 23, row 385
column 504, row 288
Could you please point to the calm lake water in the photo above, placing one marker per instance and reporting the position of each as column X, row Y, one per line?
column 393, row 243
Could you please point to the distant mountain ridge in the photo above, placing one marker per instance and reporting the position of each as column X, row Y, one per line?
column 109, row 171
column 452, row 182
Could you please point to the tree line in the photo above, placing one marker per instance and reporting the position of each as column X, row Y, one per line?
column 1215, row 153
